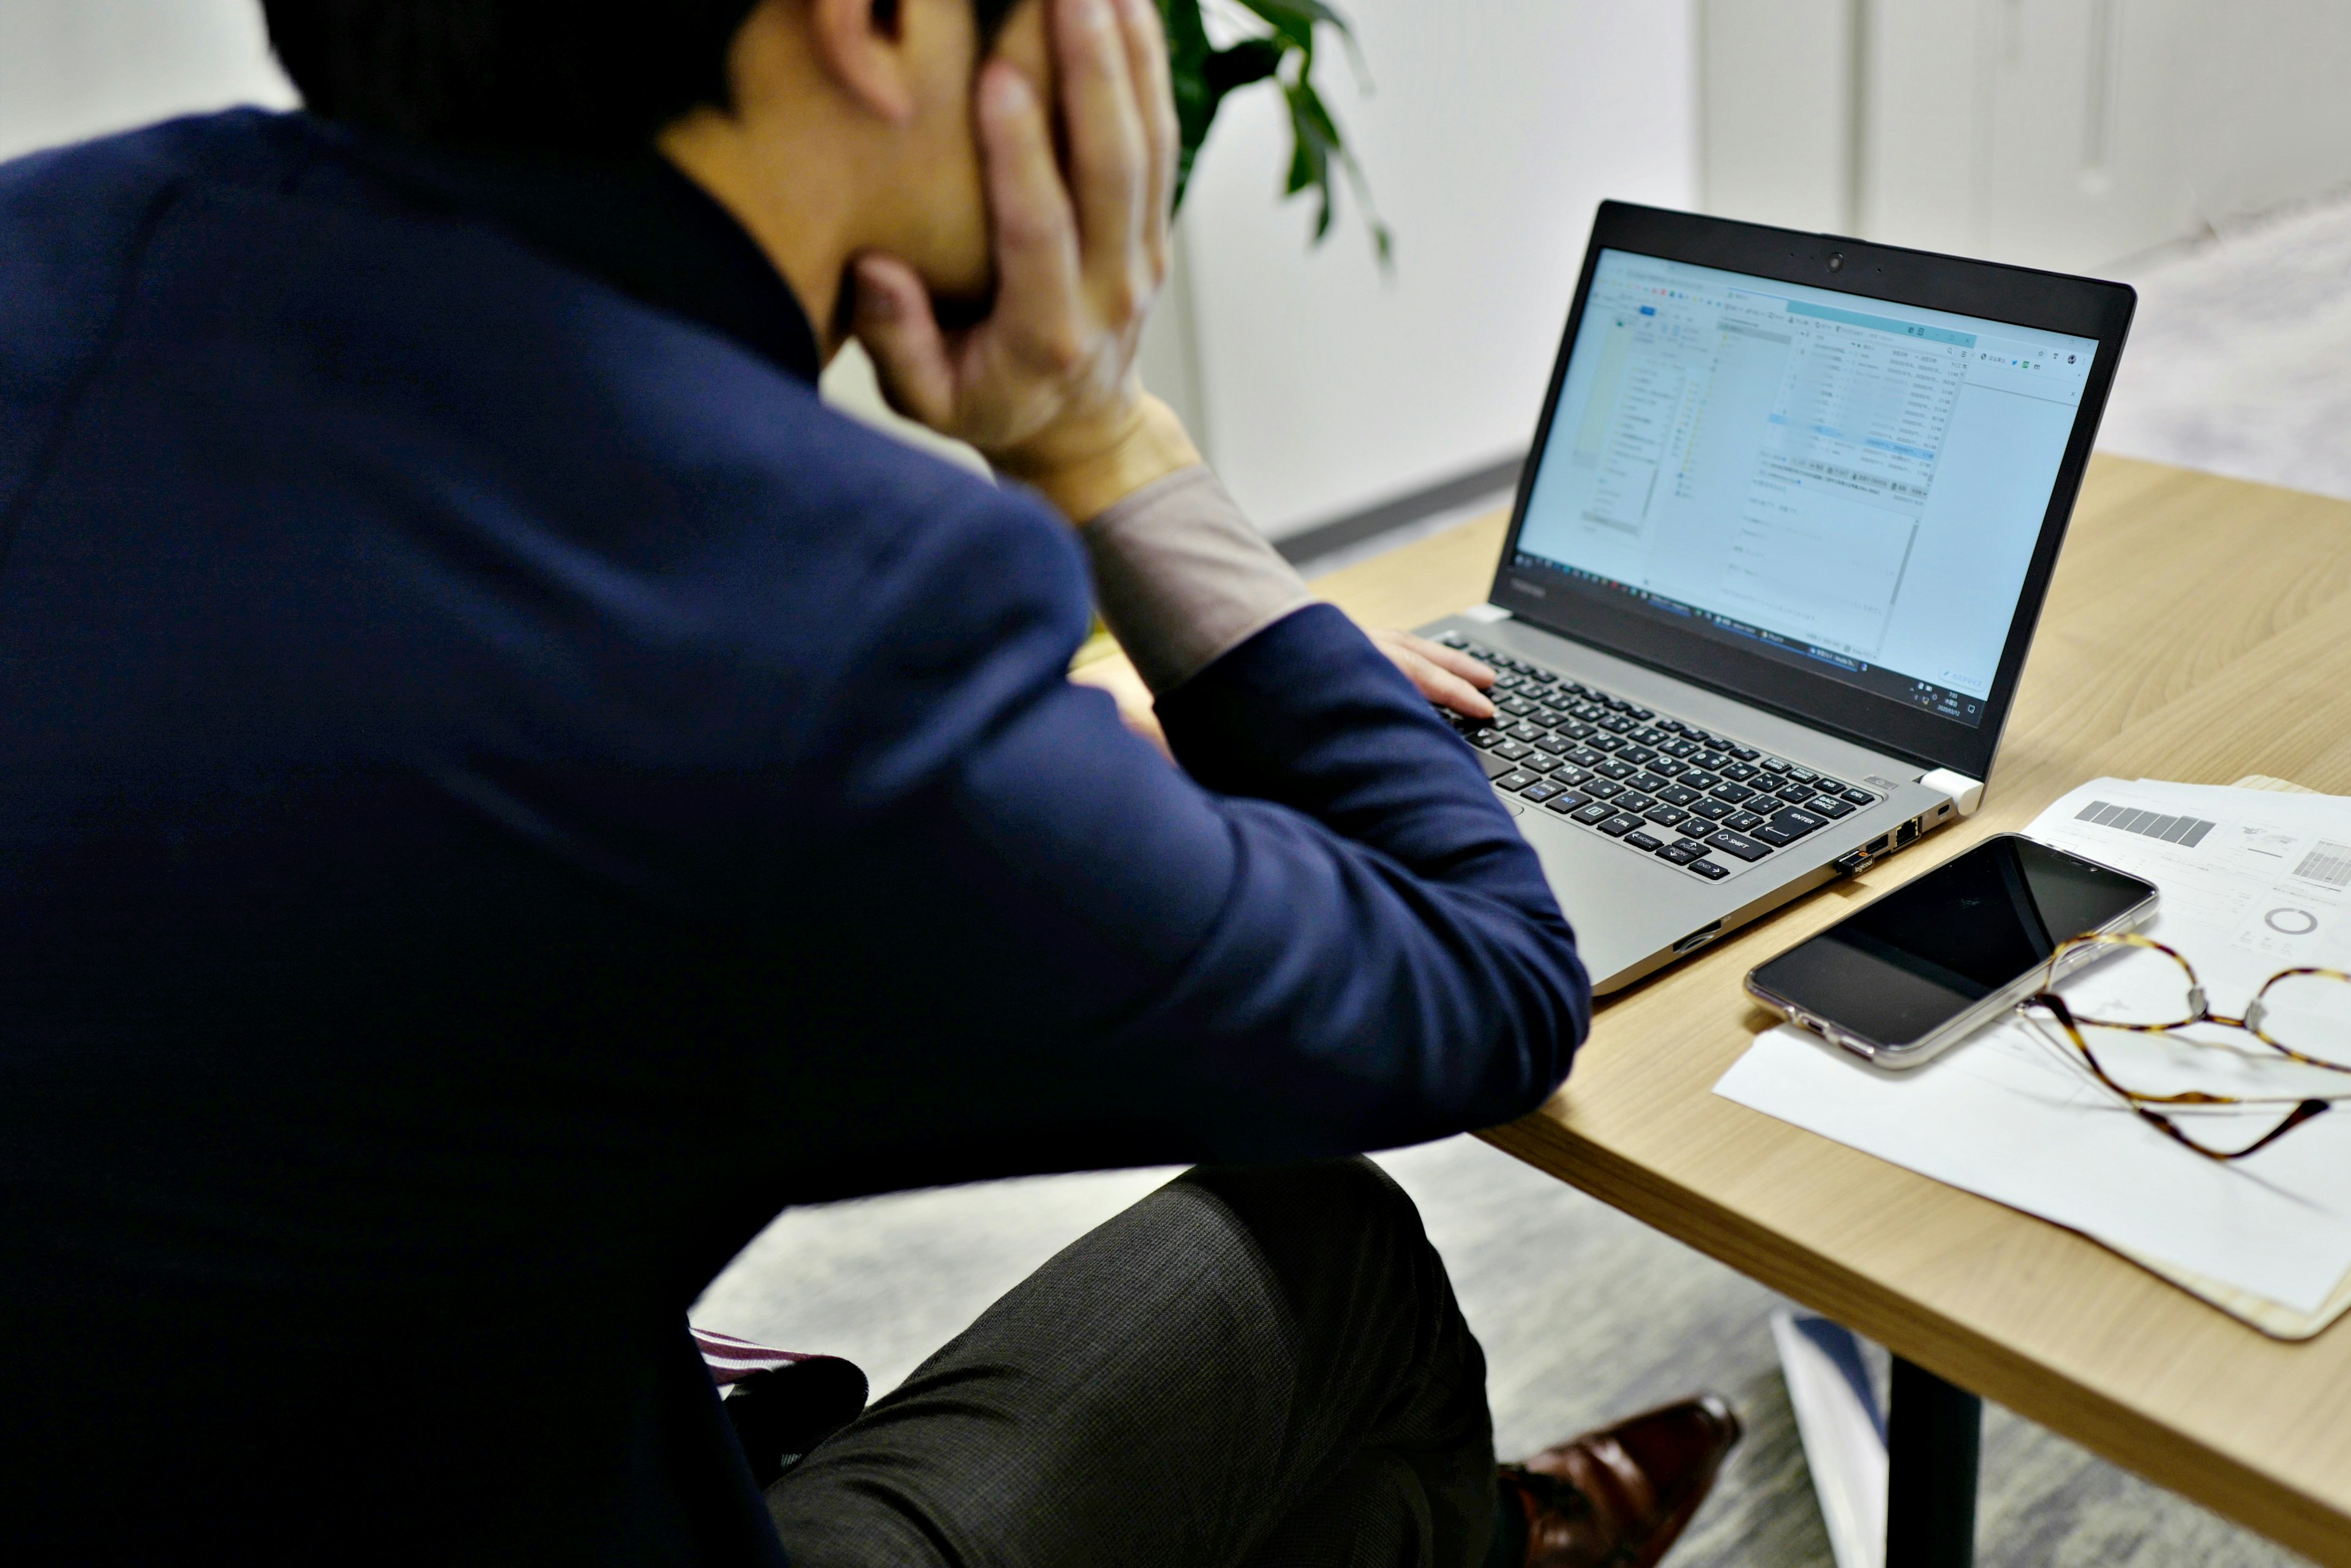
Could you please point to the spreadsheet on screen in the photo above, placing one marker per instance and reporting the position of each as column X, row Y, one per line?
column 1857, row 481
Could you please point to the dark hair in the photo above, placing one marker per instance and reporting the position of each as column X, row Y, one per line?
column 595, row 78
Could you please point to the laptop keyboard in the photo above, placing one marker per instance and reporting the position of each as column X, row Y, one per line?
column 1659, row 786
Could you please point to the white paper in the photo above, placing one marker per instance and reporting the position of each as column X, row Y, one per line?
column 2009, row 1114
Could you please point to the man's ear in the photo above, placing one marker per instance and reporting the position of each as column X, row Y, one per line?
column 862, row 45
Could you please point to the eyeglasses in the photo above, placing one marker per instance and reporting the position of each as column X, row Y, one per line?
column 2301, row 1015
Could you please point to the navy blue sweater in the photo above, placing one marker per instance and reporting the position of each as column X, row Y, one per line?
column 501, row 791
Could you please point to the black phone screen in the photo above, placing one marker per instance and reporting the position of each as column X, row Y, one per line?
column 1901, row 968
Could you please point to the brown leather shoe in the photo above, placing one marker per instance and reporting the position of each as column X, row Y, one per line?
column 1618, row 1498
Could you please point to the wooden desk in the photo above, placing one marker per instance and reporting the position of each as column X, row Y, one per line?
column 2198, row 629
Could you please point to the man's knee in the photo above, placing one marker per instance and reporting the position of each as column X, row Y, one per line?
column 1346, row 1204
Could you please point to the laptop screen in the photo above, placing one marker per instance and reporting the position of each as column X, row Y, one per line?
column 1843, row 484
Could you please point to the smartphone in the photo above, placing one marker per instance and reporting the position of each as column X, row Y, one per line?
column 1941, row 956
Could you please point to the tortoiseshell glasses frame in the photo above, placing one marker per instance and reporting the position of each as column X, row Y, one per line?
column 2197, row 1011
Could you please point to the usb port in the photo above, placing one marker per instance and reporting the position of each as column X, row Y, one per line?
column 1878, row 845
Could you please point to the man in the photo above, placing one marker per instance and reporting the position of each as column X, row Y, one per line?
column 506, row 792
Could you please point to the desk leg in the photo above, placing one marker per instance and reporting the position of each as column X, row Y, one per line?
column 1933, row 1442
column 1893, row 1494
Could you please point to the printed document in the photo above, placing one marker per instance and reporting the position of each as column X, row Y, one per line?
column 2251, row 882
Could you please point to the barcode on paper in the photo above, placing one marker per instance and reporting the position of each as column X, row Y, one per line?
column 2328, row 863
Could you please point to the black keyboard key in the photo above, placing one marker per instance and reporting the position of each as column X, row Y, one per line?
column 1699, row 779
column 1569, row 774
column 1777, row 837
column 1632, row 799
column 1512, row 750
column 1797, row 821
column 1539, row 792
column 1710, row 870
column 1616, row 725
column 1801, row 775
column 1585, row 757
column 1516, row 778
column 1770, row 764
column 1738, row 844
column 1678, row 795
column 1860, row 797
column 1828, row 786
column 1732, row 794
column 1713, row 761
column 1539, row 761
column 1744, row 821
column 1828, row 808
column 1736, row 770
column 1681, row 853
column 1596, row 813
column 1542, row 677
column 1712, row 811
column 1604, row 789
column 1745, row 753
column 1483, row 738
column 1567, row 803
column 1576, row 729
column 1524, row 731
column 1648, row 783
column 1650, row 735
column 1517, row 707
column 1645, row 842
column 1794, row 792
column 1590, row 713
column 1551, row 717
column 1666, row 816
column 1636, row 754
column 1641, row 712
column 1612, row 769
column 1617, row 826
column 1680, row 750
column 1505, row 682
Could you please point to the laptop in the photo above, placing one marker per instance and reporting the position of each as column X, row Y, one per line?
column 1774, row 563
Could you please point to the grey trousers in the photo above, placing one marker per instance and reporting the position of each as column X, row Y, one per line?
column 1260, row 1365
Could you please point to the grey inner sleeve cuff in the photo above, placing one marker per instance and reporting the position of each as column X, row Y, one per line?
column 1183, row 579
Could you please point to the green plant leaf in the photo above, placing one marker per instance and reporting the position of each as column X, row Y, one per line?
column 1204, row 74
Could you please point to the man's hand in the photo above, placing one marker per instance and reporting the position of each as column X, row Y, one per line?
column 1046, row 387
column 1445, row 675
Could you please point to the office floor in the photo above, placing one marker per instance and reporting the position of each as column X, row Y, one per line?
column 1585, row 1314
column 2240, row 363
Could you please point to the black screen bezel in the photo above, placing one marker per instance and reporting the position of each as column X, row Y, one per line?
column 2054, row 302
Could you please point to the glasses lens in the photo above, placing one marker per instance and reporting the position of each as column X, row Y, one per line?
column 2128, row 986
column 2309, row 1013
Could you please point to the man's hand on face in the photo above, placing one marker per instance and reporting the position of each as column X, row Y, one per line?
column 1046, row 386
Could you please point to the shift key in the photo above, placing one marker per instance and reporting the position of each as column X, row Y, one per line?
column 1738, row 844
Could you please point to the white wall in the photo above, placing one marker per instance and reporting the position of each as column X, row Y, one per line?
column 76, row 69
column 1496, row 127
column 2072, row 134
column 1776, row 111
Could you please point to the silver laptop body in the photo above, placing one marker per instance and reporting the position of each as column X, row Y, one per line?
column 1775, row 562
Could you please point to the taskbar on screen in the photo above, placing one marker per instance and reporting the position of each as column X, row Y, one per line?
column 1943, row 702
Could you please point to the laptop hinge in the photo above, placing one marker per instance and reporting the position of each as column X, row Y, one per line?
column 1966, row 793
column 1488, row 613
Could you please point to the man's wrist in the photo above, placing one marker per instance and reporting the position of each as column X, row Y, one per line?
column 1148, row 444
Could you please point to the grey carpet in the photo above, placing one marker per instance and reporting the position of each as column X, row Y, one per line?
column 1585, row 1314
column 2240, row 361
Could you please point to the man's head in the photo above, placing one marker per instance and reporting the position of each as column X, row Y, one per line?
column 827, row 126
